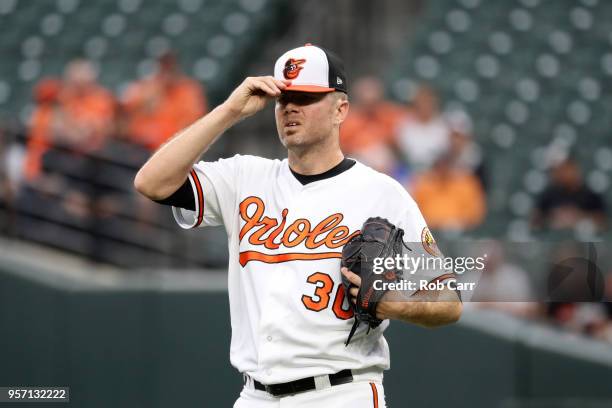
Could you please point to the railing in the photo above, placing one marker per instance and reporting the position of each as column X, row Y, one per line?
column 85, row 203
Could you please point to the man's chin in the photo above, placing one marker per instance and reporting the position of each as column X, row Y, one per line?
column 292, row 140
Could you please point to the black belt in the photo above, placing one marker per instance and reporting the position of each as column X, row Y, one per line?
column 304, row 384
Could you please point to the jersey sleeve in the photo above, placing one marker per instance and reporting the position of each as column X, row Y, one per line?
column 419, row 239
column 214, row 186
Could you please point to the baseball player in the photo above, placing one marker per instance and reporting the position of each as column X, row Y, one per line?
column 287, row 221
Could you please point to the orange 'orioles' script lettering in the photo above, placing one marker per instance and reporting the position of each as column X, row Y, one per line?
column 272, row 233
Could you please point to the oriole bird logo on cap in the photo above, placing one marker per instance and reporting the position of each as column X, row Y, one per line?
column 293, row 68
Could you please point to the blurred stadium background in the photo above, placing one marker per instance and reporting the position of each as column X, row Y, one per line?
column 509, row 102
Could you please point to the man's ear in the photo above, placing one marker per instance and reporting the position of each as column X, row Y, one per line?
column 342, row 109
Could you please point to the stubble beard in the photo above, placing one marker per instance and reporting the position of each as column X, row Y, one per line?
column 302, row 143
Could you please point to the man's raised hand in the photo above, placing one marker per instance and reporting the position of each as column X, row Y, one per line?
column 252, row 95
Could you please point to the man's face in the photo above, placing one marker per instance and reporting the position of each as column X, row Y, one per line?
column 426, row 103
column 80, row 74
column 304, row 119
column 567, row 174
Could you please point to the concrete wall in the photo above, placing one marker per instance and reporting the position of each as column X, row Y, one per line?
column 149, row 345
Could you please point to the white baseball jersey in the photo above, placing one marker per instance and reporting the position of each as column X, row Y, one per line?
column 289, row 315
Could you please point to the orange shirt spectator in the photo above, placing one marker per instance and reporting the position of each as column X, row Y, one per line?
column 91, row 114
column 159, row 106
column 41, row 124
column 449, row 198
column 87, row 109
column 364, row 128
column 368, row 132
column 372, row 120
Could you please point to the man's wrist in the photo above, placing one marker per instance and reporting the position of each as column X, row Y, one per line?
column 398, row 309
column 228, row 114
column 386, row 310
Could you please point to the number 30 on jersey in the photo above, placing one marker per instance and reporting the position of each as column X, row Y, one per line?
column 322, row 296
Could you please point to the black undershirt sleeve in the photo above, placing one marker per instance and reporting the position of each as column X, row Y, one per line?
column 182, row 198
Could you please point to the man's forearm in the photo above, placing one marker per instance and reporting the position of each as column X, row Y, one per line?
column 427, row 308
column 168, row 168
column 431, row 314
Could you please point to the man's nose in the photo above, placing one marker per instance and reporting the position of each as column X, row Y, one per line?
column 290, row 107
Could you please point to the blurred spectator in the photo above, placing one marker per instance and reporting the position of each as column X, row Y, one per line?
column 87, row 109
column 12, row 153
column 160, row 105
column 367, row 133
column 449, row 198
column 580, row 317
column 45, row 118
column 568, row 201
column 466, row 153
column 608, row 295
column 423, row 135
column 603, row 331
column 12, row 156
column 6, row 192
column 73, row 118
column 504, row 286
column 574, row 291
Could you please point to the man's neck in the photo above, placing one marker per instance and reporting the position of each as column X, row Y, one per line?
column 315, row 161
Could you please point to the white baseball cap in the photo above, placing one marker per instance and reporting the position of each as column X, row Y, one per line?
column 311, row 69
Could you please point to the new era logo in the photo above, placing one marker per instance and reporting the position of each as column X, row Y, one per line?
column 338, row 81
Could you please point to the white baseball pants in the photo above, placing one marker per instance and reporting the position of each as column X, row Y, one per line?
column 356, row 394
